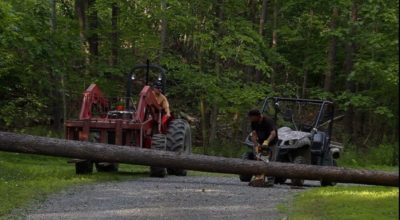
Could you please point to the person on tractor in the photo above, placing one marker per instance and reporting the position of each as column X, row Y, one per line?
column 161, row 99
column 264, row 135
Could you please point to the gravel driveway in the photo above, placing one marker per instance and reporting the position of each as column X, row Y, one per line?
column 192, row 197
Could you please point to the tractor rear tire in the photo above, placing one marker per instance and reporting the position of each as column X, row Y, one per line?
column 84, row 167
column 179, row 139
column 246, row 177
column 158, row 142
column 113, row 167
column 299, row 160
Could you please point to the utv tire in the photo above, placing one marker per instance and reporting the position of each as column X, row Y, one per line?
column 329, row 183
column 298, row 160
column 158, row 142
column 107, row 168
column 176, row 172
column 179, row 139
column 244, row 177
column 280, row 180
column 84, row 167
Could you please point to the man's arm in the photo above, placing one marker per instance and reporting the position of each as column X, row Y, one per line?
column 165, row 106
column 254, row 138
column 271, row 136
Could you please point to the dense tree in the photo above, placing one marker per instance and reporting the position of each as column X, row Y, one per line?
column 222, row 56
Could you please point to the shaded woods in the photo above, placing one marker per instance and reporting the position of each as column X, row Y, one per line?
column 222, row 57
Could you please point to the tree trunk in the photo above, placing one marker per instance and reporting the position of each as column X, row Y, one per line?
column 331, row 53
column 213, row 124
column 251, row 12
column 274, row 41
column 93, row 38
column 305, row 69
column 57, row 86
column 132, row 155
column 261, row 32
column 203, row 125
column 219, row 11
column 114, row 34
column 304, row 85
column 80, row 11
column 348, row 67
column 163, row 34
column 263, row 17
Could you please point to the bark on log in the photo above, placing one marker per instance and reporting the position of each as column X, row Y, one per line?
column 124, row 154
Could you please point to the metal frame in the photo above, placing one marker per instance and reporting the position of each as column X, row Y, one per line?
column 322, row 103
column 138, row 129
column 146, row 66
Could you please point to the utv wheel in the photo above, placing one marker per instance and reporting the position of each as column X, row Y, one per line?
column 298, row 160
column 107, row 167
column 176, row 172
column 329, row 183
column 158, row 142
column 84, row 167
column 280, row 180
column 179, row 140
column 246, row 156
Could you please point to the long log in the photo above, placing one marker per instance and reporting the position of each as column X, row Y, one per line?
column 12, row 142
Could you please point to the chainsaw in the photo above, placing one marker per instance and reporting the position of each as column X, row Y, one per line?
column 259, row 180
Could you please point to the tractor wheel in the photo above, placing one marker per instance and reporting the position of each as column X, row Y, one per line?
column 329, row 183
column 179, row 139
column 299, row 160
column 84, row 167
column 158, row 142
column 244, row 177
column 107, row 167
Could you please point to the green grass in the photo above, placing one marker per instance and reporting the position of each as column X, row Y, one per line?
column 26, row 178
column 350, row 202
column 374, row 167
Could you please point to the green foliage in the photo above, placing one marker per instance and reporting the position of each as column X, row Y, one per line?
column 213, row 52
column 382, row 155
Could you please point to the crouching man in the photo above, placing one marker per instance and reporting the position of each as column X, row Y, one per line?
column 265, row 137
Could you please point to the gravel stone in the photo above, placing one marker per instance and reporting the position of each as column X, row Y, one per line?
column 173, row 197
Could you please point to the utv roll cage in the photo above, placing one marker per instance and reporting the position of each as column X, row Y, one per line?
column 324, row 104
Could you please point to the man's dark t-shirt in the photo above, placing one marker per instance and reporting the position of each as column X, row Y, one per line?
column 264, row 128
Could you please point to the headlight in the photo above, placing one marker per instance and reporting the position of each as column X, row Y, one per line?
column 290, row 142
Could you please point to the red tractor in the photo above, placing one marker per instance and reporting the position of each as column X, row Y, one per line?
column 122, row 121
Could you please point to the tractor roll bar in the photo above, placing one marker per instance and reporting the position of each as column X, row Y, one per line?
column 146, row 66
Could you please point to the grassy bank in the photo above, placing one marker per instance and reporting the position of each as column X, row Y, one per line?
column 351, row 202
column 25, row 178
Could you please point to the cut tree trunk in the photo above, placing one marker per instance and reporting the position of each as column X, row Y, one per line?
column 132, row 155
